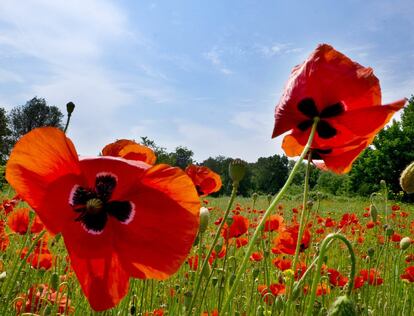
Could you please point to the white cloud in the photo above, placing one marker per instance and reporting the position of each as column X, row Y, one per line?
column 278, row 49
column 214, row 57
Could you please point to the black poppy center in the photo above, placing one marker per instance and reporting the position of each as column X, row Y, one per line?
column 94, row 205
column 324, row 129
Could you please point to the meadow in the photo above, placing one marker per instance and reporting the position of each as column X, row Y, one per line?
column 42, row 283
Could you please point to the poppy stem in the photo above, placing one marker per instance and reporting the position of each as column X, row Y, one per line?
column 324, row 246
column 213, row 244
column 271, row 207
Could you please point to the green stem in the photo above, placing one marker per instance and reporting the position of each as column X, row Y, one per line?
column 316, row 276
column 216, row 237
column 266, row 215
column 67, row 123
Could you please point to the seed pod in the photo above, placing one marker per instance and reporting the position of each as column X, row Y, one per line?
column 371, row 252
column 407, row 179
column 237, row 170
column 343, row 306
column 70, row 107
column 54, row 281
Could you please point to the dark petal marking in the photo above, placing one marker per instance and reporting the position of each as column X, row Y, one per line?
column 123, row 211
column 325, row 130
column 104, row 185
column 303, row 126
column 308, row 107
column 199, row 190
column 316, row 153
column 93, row 223
column 332, row 110
column 80, row 195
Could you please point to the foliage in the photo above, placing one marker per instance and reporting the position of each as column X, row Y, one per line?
column 35, row 113
column 4, row 137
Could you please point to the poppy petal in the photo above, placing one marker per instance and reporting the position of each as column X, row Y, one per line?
column 157, row 241
column 103, row 280
column 40, row 158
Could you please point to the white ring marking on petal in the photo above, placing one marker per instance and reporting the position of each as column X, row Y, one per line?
column 131, row 214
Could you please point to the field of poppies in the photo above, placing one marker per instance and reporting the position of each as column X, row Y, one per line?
column 119, row 234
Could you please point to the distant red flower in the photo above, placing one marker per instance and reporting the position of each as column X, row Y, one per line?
column 395, row 207
column 323, row 289
column 241, row 241
column 372, row 277
column 130, row 150
column 39, row 296
column 8, row 205
column 256, row 256
column 205, row 180
column 286, row 241
column 282, row 263
column 4, row 238
column 274, row 289
column 273, row 223
column 396, row 237
column 193, row 262
column 18, row 221
column 409, row 274
column 238, row 227
column 348, row 219
column 118, row 218
column 370, row 224
column 342, row 94
column 336, row 278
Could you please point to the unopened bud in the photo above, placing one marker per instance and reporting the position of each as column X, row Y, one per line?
column 70, row 107
column 373, row 212
column 389, row 231
column 204, row 217
column 407, row 179
column 405, row 243
column 269, row 198
column 54, row 281
column 371, row 252
column 237, row 170
column 343, row 306
column 254, row 197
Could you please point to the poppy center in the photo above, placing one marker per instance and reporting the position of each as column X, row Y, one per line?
column 94, row 204
column 324, row 129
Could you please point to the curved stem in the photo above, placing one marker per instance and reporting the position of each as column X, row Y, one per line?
column 323, row 249
column 67, row 123
column 216, row 237
column 266, row 215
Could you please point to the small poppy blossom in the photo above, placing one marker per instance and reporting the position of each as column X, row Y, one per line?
column 205, row 180
column 372, row 277
column 4, row 238
column 256, row 256
column 119, row 218
column 282, row 263
column 336, row 278
column 273, row 223
column 408, row 275
column 238, row 227
column 18, row 220
column 342, row 94
column 286, row 241
column 129, row 149
column 241, row 241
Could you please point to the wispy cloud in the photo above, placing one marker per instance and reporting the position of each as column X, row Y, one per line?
column 214, row 57
column 275, row 49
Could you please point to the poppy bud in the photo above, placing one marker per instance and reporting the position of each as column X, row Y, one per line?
column 206, row 271
column 373, row 212
column 407, row 179
column 187, row 298
column 204, row 217
column 389, row 231
column 371, row 252
column 343, row 306
column 132, row 310
column 70, row 107
column 237, row 170
column 383, row 184
column 54, row 281
column 214, row 280
column 254, row 197
column 269, row 198
column 3, row 275
column 255, row 273
column 309, row 204
column 405, row 243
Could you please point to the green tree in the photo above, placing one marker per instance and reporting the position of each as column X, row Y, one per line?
column 5, row 144
column 35, row 113
column 270, row 173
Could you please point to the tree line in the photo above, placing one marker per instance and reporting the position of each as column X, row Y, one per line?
column 391, row 151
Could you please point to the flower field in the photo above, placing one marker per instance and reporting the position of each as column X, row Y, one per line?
column 43, row 283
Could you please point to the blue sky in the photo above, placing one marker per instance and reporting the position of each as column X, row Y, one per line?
column 202, row 74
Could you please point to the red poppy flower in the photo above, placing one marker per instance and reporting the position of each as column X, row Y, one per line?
column 40, row 296
column 256, row 256
column 205, row 180
column 342, row 94
column 238, row 227
column 286, row 241
column 273, row 223
column 282, row 263
column 130, row 150
column 4, row 238
column 119, row 218
column 409, row 274
column 18, row 221
column 241, row 241
column 336, row 278
column 372, row 277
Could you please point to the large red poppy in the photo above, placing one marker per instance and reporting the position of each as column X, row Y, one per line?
column 343, row 94
column 119, row 218
column 131, row 150
column 205, row 180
